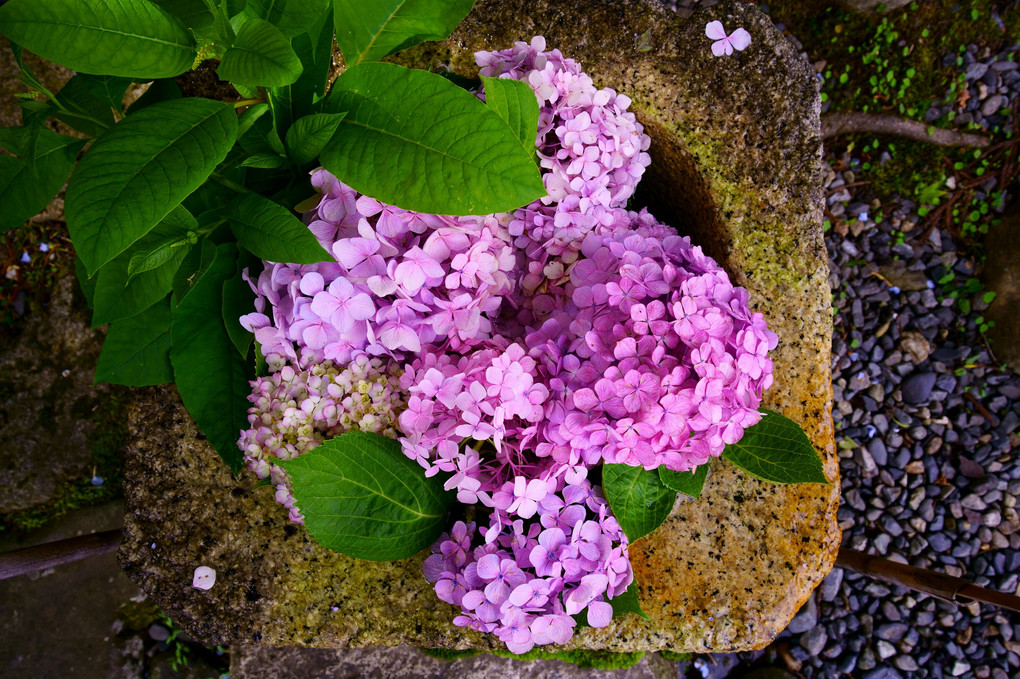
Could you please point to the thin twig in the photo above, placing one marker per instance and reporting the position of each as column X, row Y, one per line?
column 981, row 409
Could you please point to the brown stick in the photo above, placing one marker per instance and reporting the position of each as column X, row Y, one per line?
column 47, row 555
column 946, row 587
column 884, row 123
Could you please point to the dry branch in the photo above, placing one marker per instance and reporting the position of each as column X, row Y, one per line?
column 881, row 123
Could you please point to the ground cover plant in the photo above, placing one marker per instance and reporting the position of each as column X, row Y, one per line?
column 450, row 324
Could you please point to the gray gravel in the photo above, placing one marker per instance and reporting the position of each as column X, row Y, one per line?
column 928, row 474
column 926, row 422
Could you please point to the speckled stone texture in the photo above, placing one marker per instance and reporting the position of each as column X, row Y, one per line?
column 736, row 152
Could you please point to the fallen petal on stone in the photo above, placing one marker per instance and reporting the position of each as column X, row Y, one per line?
column 205, row 578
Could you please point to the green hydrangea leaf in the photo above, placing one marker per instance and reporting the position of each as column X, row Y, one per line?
column 269, row 231
column 191, row 269
column 260, row 56
column 361, row 496
column 148, row 254
column 87, row 285
column 163, row 89
column 304, row 96
column 211, row 377
column 639, row 500
column 140, row 169
column 129, row 38
column 628, row 602
column 194, row 14
column 238, row 300
column 415, row 140
column 27, row 187
column 308, row 135
column 263, row 161
column 688, row 483
column 82, row 109
column 776, row 450
column 515, row 102
column 121, row 294
column 136, row 351
column 368, row 31
column 110, row 89
column 292, row 17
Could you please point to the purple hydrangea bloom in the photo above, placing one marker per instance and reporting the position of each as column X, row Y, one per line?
column 645, row 354
column 513, row 353
column 591, row 148
column 523, row 581
column 400, row 280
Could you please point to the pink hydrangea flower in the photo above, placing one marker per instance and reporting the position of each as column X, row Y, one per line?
column 725, row 44
column 523, row 579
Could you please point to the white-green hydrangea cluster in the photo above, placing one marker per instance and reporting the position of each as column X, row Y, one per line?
column 293, row 411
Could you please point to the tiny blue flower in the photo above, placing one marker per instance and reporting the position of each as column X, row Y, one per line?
column 870, row 428
column 25, row 258
column 97, row 480
column 44, row 247
column 894, row 290
column 863, row 217
column 931, row 284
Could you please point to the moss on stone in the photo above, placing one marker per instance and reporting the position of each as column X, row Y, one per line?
column 138, row 615
column 585, row 659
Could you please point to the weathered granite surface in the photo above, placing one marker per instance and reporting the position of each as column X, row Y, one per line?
column 736, row 151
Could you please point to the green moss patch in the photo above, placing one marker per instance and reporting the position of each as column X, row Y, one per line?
column 585, row 659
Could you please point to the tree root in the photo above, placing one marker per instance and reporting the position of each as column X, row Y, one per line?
column 880, row 123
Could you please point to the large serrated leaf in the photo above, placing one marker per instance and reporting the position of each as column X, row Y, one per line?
column 211, row 377
column 515, row 102
column 269, row 231
column 361, row 496
column 415, row 140
column 688, row 483
column 260, row 56
column 27, row 187
column 368, row 31
column 130, row 38
column 136, row 351
column 776, row 450
column 308, row 135
column 292, row 17
column 639, row 500
column 140, row 169
column 121, row 294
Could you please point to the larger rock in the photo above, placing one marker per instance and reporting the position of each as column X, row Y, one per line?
column 736, row 151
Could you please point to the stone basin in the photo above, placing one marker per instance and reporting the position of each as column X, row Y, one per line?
column 736, row 151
